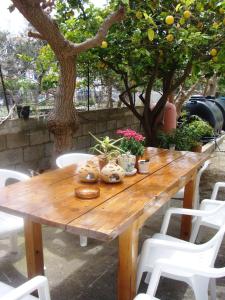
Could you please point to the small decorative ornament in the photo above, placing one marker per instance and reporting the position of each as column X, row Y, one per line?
column 127, row 162
column 112, row 173
column 87, row 192
column 89, row 172
column 143, row 166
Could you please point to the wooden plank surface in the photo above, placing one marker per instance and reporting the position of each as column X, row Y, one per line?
column 49, row 198
column 112, row 217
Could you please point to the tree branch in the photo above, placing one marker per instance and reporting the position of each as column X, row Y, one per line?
column 141, row 97
column 183, row 77
column 35, row 35
column 100, row 35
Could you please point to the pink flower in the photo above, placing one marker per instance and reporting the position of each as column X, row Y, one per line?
column 129, row 133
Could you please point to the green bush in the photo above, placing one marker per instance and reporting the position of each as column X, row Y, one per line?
column 187, row 136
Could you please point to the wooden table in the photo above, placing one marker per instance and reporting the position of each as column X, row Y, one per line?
column 120, row 211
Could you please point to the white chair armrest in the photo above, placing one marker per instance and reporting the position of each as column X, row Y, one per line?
column 213, row 203
column 151, row 242
column 188, row 212
column 39, row 283
column 216, row 189
column 210, row 272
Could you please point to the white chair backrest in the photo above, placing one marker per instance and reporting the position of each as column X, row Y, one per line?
column 212, row 247
column 9, row 174
column 72, row 158
column 198, row 178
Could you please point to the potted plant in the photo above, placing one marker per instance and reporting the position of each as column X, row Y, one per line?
column 187, row 137
column 132, row 143
column 106, row 148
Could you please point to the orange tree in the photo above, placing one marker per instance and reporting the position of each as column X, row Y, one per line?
column 162, row 41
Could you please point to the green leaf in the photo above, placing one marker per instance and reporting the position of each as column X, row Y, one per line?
column 178, row 7
column 151, row 34
column 151, row 21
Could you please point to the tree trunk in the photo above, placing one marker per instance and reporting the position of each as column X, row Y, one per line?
column 109, row 95
column 63, row 119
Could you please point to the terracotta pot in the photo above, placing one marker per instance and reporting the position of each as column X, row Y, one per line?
column 197, row 148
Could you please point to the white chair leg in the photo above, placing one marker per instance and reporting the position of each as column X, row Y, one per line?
column 83, row 241
column 14, row 243
column 195, row 231
column 200, row 287
column 212, row 284
column 165, row 207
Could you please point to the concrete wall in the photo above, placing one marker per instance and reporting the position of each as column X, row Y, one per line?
column 28, row 144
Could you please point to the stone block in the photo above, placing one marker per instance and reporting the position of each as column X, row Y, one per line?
column 11, row 157
column 111, row 125
column 33, row 153
column 78, row 132
column 89, row 127
column 2, row 142
column 39, row 137
column 48, row 149
column 83, row 142
column 27, row 167
column 17, row 140
column 121, row 123
column 101, row 126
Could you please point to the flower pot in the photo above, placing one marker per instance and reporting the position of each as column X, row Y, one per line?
column 23, row 111
column 197, row 148
column 127, row 162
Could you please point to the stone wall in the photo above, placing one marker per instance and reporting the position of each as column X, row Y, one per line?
column 28, row 145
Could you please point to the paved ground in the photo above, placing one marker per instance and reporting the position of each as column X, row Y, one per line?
column 90, row 273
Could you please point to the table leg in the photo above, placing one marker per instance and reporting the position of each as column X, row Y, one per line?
column 34, row 248
column 128, row 252
column 189, row 193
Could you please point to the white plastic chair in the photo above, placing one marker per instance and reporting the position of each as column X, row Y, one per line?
column 213, row 221
column 180, row 194
column 73, row 158
column 78, row 159
column 145, row 297
column 10, row 225
column 181, row 253
column 202, row 275
column 39, row 283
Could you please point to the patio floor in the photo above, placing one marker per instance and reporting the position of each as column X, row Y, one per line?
column 90, row 273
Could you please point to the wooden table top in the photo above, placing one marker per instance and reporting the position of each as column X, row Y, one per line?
column 49, row 198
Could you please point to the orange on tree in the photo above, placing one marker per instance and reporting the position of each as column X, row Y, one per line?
column 221, row 10
column 170, row 37
column 213, row 52
column 104, row 44
column 139, row 15
column 187, row 14
column 169, row 20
